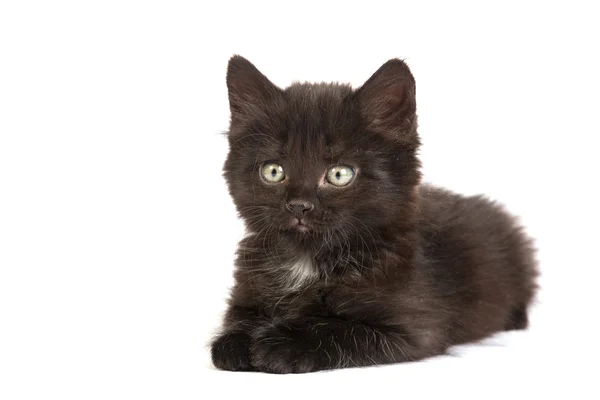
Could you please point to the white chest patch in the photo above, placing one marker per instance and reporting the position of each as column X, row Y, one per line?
column 300, row 273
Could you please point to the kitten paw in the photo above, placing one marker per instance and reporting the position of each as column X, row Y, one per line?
column 231, row 352
column 280, row 350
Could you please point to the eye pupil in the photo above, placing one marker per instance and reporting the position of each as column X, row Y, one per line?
column 338, row 175
column 274, row 172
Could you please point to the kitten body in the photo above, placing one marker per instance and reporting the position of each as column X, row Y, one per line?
column 382, row 269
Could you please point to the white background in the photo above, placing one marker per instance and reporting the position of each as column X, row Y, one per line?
column 117, row 233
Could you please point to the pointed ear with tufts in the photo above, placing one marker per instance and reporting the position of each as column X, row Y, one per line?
column 249, row 90
column 388, row 103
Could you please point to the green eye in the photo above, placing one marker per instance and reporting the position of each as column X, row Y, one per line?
column 340, row 175
column 272, row 173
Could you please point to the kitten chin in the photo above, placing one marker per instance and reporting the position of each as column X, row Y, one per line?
column 350, row 260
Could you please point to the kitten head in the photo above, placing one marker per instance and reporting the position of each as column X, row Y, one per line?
column 322, row 162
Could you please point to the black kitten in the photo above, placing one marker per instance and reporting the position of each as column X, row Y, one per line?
column 349, row 260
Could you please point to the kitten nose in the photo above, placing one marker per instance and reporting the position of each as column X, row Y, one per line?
column 299, row 207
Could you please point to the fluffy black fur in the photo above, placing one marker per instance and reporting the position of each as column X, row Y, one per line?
column 383, row 270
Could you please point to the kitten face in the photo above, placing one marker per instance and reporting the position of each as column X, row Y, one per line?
column 320, row 162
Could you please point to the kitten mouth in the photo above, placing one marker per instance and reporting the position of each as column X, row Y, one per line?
column 300, row 226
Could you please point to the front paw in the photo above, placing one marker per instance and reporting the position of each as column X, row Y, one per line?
column 282, row 350
column 231, row 352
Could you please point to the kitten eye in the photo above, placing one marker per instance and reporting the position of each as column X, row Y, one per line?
column 340, row 175
column 272, row 173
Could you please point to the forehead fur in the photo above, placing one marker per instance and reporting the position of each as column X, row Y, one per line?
column 316, row 115
column 311, row 95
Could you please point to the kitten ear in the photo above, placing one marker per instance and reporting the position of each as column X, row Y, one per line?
column 249, row 90
column 388, row 101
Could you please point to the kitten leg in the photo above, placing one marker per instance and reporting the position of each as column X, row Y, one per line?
column 230, row 350
column 328, row 343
